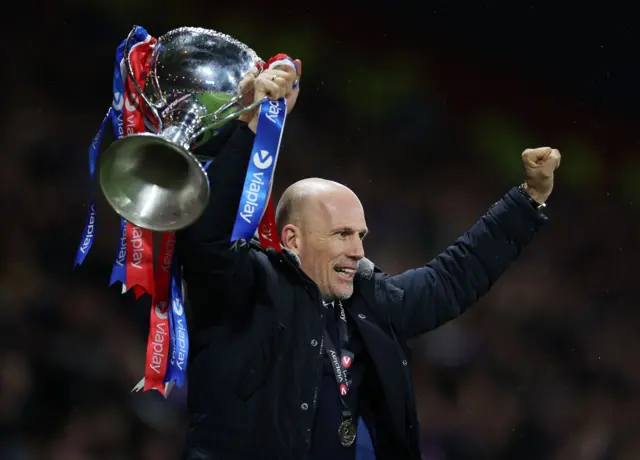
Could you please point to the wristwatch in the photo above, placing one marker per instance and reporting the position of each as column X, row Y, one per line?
column 537, row 206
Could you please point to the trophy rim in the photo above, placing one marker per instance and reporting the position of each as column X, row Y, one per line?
column 105, row 162
column 214, row 33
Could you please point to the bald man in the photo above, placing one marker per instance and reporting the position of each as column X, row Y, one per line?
column 289, row 350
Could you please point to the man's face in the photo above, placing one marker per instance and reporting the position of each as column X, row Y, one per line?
column 330, row 242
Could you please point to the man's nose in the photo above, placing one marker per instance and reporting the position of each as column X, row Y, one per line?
column 356, row 249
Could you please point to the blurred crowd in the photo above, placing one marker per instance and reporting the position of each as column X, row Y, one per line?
column 542, row 368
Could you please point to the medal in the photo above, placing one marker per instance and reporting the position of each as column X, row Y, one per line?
column 347, row 432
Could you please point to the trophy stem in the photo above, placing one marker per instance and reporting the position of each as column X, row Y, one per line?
column 187, row 122
column 177, row 136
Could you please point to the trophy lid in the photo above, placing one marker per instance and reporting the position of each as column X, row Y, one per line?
column 193, row 60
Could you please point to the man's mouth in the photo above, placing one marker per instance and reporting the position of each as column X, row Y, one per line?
column 345, row 272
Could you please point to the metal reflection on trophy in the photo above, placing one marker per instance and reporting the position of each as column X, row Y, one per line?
column 153, row 180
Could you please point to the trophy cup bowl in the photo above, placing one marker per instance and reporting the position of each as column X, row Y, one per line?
column 153, row 180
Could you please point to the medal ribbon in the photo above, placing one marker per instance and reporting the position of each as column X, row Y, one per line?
column 341, row 360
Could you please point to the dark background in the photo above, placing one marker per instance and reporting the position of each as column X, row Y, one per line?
column 423, row 110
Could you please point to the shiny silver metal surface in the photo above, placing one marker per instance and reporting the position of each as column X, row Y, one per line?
column 164, row 186
column 152, row 179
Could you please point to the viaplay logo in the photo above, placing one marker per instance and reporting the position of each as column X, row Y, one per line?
column 251, row 193
column 130, row 102
column 178, row 309
column 118, row 101
column 161, row 310
column 262, row 159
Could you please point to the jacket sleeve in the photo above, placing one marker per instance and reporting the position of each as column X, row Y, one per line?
column 216, row 273
column 466, row 270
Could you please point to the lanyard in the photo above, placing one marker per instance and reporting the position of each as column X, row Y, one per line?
column 340, row 362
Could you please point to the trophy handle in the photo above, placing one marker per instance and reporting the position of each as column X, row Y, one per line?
column 132, row 77
column 226, row 119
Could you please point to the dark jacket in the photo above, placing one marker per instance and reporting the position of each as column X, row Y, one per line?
column 255, row 325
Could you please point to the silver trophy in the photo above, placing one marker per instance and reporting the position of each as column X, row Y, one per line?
column 153, row 180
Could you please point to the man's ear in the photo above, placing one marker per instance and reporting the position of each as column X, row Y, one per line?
column 291, row 238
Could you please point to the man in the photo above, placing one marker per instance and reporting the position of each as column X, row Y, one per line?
column 290, row 349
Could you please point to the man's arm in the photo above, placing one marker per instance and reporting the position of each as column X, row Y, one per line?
column 210, row 267
column 458, row 277
column 206, row 243
column 217, row 272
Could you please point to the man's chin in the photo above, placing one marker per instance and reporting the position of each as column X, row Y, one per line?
column 343, row 294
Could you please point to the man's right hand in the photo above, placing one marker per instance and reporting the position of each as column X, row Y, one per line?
column 539, row 167
column 273, row 83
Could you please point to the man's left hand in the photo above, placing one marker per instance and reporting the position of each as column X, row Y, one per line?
column 273, row 83
column 539, row 167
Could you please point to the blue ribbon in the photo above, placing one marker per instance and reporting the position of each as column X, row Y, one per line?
column 257, row 183
column 179, row 337
column 119, row 270
column 89, row 233
column 118, row 92
column 115, row 114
